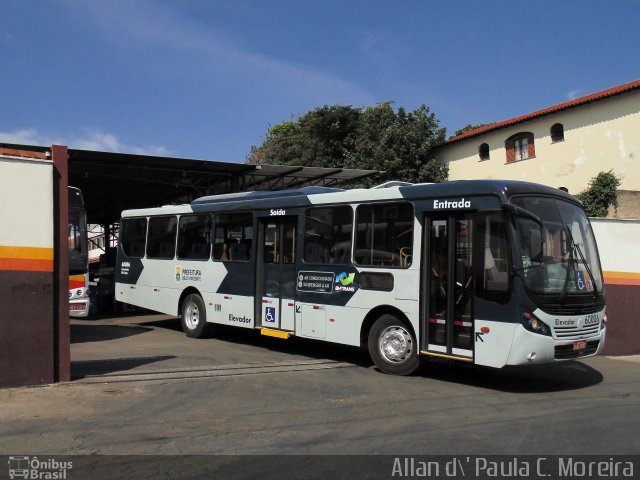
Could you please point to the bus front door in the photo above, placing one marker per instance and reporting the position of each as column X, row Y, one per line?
column 275, row 286
column 447, row 326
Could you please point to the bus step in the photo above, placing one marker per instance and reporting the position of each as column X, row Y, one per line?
column 447, row 357
column 275, row 333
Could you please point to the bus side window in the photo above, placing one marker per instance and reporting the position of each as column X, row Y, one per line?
column 233, row 238
column 133, row 237
column 384, row 235
column 161, row 241
column 327, row 235
column 493, row 279
column 194, row 237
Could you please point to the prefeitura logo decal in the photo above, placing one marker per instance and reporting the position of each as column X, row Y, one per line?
column 188, row 274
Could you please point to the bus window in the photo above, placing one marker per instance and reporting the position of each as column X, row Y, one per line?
column 133, row 237
column 162, row 237
column 384, row 235
column 233, row 237
column 194, row 237
column 327, row 235
column 493, row 278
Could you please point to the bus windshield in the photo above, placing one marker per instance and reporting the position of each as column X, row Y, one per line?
column 77, row 240
column 558, row 257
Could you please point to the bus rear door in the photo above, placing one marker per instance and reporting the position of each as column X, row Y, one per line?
column 276, row 273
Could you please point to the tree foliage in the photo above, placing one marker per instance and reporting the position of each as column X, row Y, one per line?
column 468, row 128
column 601, row 194
column 377, row 138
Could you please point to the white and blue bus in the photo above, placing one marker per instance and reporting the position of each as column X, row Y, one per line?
column 488, row 272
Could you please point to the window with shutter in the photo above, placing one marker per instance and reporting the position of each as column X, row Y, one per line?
column 520, row 147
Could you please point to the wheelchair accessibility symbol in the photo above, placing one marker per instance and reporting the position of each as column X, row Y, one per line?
column 270, row 314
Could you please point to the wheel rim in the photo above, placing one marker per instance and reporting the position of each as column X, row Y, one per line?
column 395, row 344
column 192, row 316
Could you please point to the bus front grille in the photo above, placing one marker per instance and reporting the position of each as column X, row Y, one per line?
column 562, row 309
column 576, row 333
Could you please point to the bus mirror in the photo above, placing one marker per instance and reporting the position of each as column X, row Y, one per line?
column 522, row 212
column 535, row 245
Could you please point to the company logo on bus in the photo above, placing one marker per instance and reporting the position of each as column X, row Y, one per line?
column 344, row 282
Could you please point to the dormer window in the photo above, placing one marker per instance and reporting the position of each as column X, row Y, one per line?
column 557, row 133
column 483, row 151
column 520, row 147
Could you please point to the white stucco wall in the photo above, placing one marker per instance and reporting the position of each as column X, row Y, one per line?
column 619, row 247
column 598, row 137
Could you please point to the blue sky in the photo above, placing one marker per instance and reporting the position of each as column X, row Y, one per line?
column 206, row 78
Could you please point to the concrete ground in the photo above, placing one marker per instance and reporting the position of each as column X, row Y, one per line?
column 141, row 387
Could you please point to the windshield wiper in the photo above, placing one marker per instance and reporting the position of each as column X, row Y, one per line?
column 575, row 247
column 570, row 261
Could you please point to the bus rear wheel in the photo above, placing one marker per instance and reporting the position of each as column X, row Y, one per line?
column 393, row 347
column 194, row 317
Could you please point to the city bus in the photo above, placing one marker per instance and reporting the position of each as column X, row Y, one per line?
column 487, row 272
column 78, row 255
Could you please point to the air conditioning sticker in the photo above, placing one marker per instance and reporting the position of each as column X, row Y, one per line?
column 318, row 282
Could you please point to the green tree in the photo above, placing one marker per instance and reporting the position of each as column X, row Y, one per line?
column 376, row 138
column 601, row 194
column 468, row 128
column 400, row 143
column 319, row 138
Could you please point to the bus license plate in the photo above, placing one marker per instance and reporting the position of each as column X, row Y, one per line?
column 76, row 306
column 579, row 345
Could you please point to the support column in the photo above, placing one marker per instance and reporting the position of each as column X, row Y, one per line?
column 62, row 350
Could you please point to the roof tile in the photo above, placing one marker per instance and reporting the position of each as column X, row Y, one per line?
column 609, row 92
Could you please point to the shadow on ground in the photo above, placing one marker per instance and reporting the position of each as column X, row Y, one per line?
column 565, row 376
column 98, row 333
column 545, row 378
column 88, row 368
column 295, row 346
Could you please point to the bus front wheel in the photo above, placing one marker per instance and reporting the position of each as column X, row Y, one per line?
column 393, row 347
column 194, row 317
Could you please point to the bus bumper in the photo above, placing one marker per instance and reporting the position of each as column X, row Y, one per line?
column 79, row 308
column 531, row 348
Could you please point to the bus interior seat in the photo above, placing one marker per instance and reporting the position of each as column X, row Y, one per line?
column 341, row 254
column 166, row 251
column 238, row 251
column 199, row 250
column 315, row 252
column 136, row 250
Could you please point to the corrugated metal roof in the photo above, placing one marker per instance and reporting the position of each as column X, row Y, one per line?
column 112, row 182
column 609, row 92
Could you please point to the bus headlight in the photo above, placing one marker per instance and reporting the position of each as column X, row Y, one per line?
column 603, row 323
column 535, row 325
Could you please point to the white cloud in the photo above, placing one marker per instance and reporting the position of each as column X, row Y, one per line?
column 155, row 25
column 573, row 94
column 90, row 139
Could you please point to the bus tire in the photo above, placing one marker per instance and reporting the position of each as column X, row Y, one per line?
column 194, row 317
column 393, row 347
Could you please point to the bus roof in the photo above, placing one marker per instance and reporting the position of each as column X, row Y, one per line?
column 281, row 198
column 307, row 196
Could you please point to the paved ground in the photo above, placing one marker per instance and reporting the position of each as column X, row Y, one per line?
column 240, row 393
